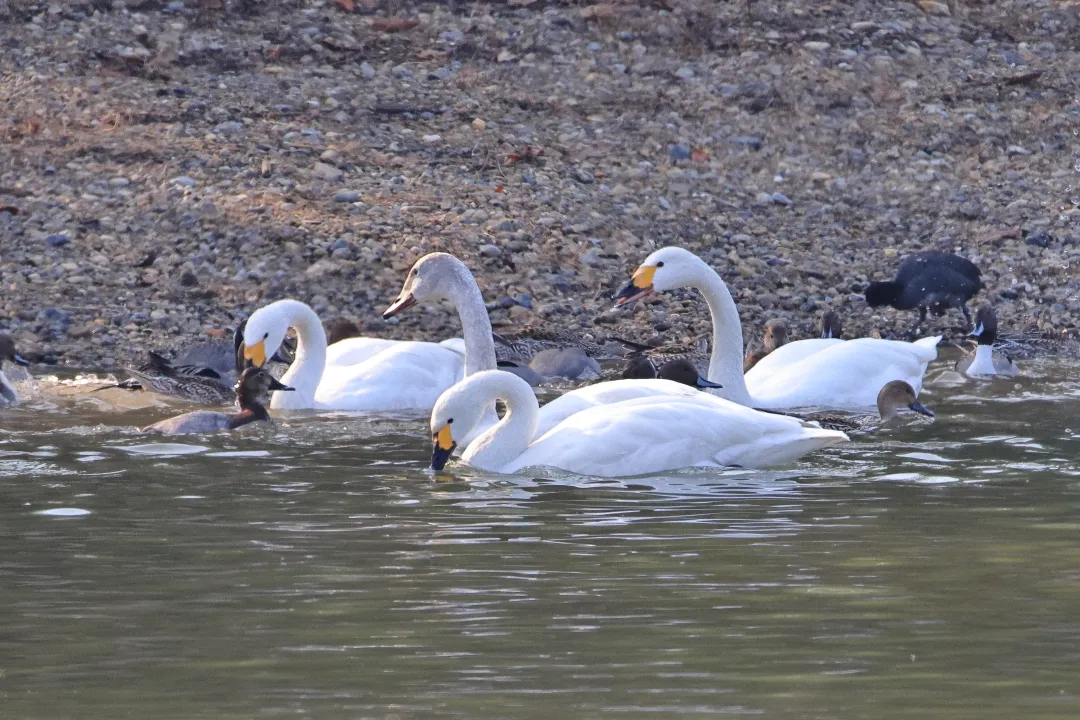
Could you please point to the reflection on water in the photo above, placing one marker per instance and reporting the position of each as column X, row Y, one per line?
column 316, row 568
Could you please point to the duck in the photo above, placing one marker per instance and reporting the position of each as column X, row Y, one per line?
column 893, row 398
column 358, row 374
column 252, row 394
column 633, row 437
column 679, row 370
column 340, row 328
column 159, row 375
column 8, row 395
column 928, row 280
column 832, row 327
column 985, row 362
column 525, row 343
column 820, row 372
column 774, row 335
column 441, row 276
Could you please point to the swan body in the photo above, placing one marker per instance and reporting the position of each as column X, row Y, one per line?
column 384, row 375
column 824, row 372
column 639, row 436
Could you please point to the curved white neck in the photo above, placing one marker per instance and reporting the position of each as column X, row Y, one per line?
column 307, row 368
column 726, row 360
column 983, row 364
column 465, row 296
column 503, row 443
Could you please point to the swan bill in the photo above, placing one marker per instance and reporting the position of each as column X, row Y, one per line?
column 443, row 447
column 256, row 354
column 921, row 409
column 640, row 285
column 402, row 303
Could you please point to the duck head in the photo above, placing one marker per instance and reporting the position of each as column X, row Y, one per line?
column 340, row 328
column 986, row 325
column 683, row 371
column 895, row 396
column 429, row 280
column 254, row 387
column 639, row 368
column 666, row 269
column 7, row 351
column 831, row 325
column 776, row 334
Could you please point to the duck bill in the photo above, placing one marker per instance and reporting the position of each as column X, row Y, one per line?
column 706, row 384
column 401, row 304
column 443, row 448
column 640, row 285
column 921, row 409
column 255, row 354
column 19, row 360
column 276, row 385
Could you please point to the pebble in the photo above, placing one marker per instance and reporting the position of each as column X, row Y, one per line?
column 327, row 172
column 754, row 143
column 685, row 73
column 346, row 196
column 58, row 239
column 490, row 251
column 183, row 181
column 478, row 124
column 367, row 71
column 583, row 176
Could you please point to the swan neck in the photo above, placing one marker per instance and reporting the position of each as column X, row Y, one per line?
column 307, row 368
column 475, row 323
column 726, row 360
column 511, row 436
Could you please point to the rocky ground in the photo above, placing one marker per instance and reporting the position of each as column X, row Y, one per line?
column 169, row 166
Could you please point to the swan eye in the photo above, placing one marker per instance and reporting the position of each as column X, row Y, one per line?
column 660, row 264
column 450, row 421
column 266, row 336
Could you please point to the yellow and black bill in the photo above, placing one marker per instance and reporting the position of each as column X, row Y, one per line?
column 443, row 447
column 640, row 285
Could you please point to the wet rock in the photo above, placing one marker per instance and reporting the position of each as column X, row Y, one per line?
column 346, row 196
column 58, row 239
column 1039, row 238
column 327, row 172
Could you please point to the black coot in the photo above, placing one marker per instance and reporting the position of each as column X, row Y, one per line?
column 930, row 280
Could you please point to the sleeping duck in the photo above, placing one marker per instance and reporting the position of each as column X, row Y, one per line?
column 252, row 395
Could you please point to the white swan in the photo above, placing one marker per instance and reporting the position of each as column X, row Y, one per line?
column 440, row 276
column 634, row 437
column 829, row 373
column 379, row 375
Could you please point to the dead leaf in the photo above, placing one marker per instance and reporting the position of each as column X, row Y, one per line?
column 346, row 5
column 498, row 188
column 393, row 25
column 15, row 211
column 529, row 153
column 699, row 156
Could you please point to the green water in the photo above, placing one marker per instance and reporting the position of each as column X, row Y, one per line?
column 316, row 569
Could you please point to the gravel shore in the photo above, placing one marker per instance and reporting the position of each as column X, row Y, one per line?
column 170, row 166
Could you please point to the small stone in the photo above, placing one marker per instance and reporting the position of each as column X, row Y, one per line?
column 781, row 199
column 583, row 176
column 58, row 239
column 267, row 168
column 523, row 300
column 490, row 251
column 590, row 257
column 119, row 182
column 327, row 172
column 188, row 279
column 816, row 45
column 1039, row 238
column 664, row 203
column 432, row 139
column 750, row 141
column 183, row 181
column 685, row 73
column 366, row 71
column 330, row 156
column 931, row 7
column 478, row 124
column 452, row 36
column 1017, row 150
column 346, row 196
column 678, row 152
column 229, row 128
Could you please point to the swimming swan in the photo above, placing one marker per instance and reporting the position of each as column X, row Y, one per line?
column 380, row 375
column 634, row 437
column 827, row 373
column 440, row 276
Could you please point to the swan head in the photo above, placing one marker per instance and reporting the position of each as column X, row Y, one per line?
column 429, row 280
column 896, row 395
column 831, row 325
column 264, row 333
column 986, row 325
column 454, row 415
column 7, row 351
column 666, row 269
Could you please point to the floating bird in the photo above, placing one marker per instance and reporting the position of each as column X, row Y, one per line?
column 680, row 370
column 828, row 373
column 893, row 398
column 8, row 396
column 985, row 362
column 775, row 335
column 252, row 395
column 929, row 280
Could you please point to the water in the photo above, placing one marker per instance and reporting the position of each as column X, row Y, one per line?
column 316, row 569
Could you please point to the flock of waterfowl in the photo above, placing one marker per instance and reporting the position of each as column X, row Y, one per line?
column 709, row 405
